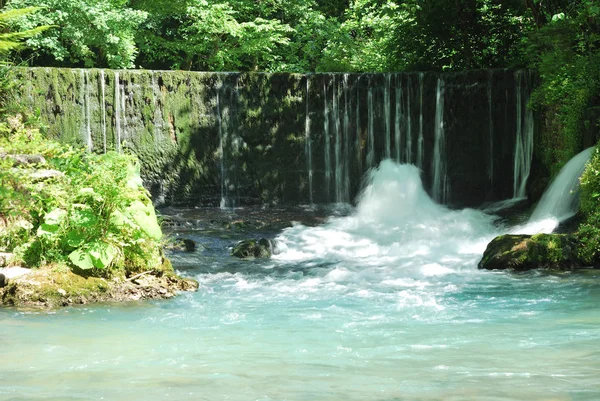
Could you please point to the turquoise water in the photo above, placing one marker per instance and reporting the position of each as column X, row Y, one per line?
column 384, row 304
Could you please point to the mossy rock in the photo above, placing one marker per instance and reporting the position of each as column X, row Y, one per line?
column 251, row 248
column 51, row 287
column 527, row 252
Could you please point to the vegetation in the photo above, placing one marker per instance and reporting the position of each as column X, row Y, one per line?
column 62, row 205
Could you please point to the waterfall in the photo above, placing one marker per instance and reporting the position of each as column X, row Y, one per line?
column 421, row 140
column 371, row 129
column 561, row 200
column 308, row 144
column 84, row 99
column 103, row 107
column 338, row 141
column 222, row 139
column 524, row 139
column 440, row 180
column 397, row 115
column 346, row 193
column 387, row 112
column 117, row 112
column 327, row 142
column 357, row 127
column 408, row 122
column 490, row 128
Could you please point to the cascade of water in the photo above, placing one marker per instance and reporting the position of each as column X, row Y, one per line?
column 397, row 115
column 222, row 140
column 490, row 128
column 103, row 106
column 88, row 122
column 440, row 189
column 123, row 97
column 327, row 142
column 338, row 141
column 371, row 129
column 156, row 118
column 387, row 114
column 117, row 112
column 524, row 138
column 82, row 103
column 308, row 143
column 346, row 157
column 561, row 200
column 408, row 122
column 420, row 143
column 358, row 144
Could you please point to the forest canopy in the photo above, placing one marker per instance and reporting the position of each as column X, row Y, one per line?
column 296, row 35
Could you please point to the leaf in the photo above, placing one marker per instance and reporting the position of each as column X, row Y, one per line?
column 47, row 229
column 84, row 218
column 55, row 217
column 98, row 255
column 145, row 218
column 81, row 259
column 75, row 239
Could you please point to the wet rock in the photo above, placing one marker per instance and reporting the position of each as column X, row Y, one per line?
column 262, row 248
column 252, row 249
column 182, row 244
column 527, row 252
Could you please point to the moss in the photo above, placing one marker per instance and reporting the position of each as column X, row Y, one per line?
column 541, row 251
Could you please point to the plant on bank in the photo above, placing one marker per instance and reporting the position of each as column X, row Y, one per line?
column 91, row 212
column 589, row 229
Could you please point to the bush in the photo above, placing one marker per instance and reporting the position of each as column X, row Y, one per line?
column 90, row 211
column 589, row 229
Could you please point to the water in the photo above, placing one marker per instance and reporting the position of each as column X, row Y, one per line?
column 440, row 185
column 524, row 137
column 308, row 146
column 383, row 304
column 561, row 200
column 118, row 111
column 103, row 107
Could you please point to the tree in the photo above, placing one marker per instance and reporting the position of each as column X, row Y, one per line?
column 96, row 33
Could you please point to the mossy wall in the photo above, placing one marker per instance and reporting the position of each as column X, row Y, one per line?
column 250, row 138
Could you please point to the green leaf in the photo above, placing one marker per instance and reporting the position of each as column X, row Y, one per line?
column 81, row 259
column 55, row 217
column 47, row 229
column 145, row 218
column 102, row 254
column 75, row 239
column 84, row 218
column 97, row 254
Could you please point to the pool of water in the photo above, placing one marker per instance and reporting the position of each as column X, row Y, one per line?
column 385, row 303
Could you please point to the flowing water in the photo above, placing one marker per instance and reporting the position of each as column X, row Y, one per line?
column 385, row 303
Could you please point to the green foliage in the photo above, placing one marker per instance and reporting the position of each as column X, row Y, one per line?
column 589, row 230
column 10, row 41
column 92, row 34
column 93, row 214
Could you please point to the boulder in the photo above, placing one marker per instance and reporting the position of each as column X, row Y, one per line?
column 527, row 252
column 182, row 244
column 251, row 248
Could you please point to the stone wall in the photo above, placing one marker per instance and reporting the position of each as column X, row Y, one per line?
column 250, row 138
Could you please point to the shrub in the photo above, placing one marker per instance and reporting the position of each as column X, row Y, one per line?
column 91, row 212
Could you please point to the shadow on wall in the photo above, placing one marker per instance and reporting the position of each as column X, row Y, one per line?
column 233, row 139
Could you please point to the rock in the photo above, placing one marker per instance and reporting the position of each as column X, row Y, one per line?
column 3, row 280
column 252, row 249
column 182, row 244
column 41, row 175
column 527, row 252
column 22, row 160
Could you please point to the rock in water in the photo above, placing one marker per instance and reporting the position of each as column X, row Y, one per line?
column 527, row 252
column 253, row 249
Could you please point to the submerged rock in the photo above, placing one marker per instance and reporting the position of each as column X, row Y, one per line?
column 262, row 248
column 527, row 252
